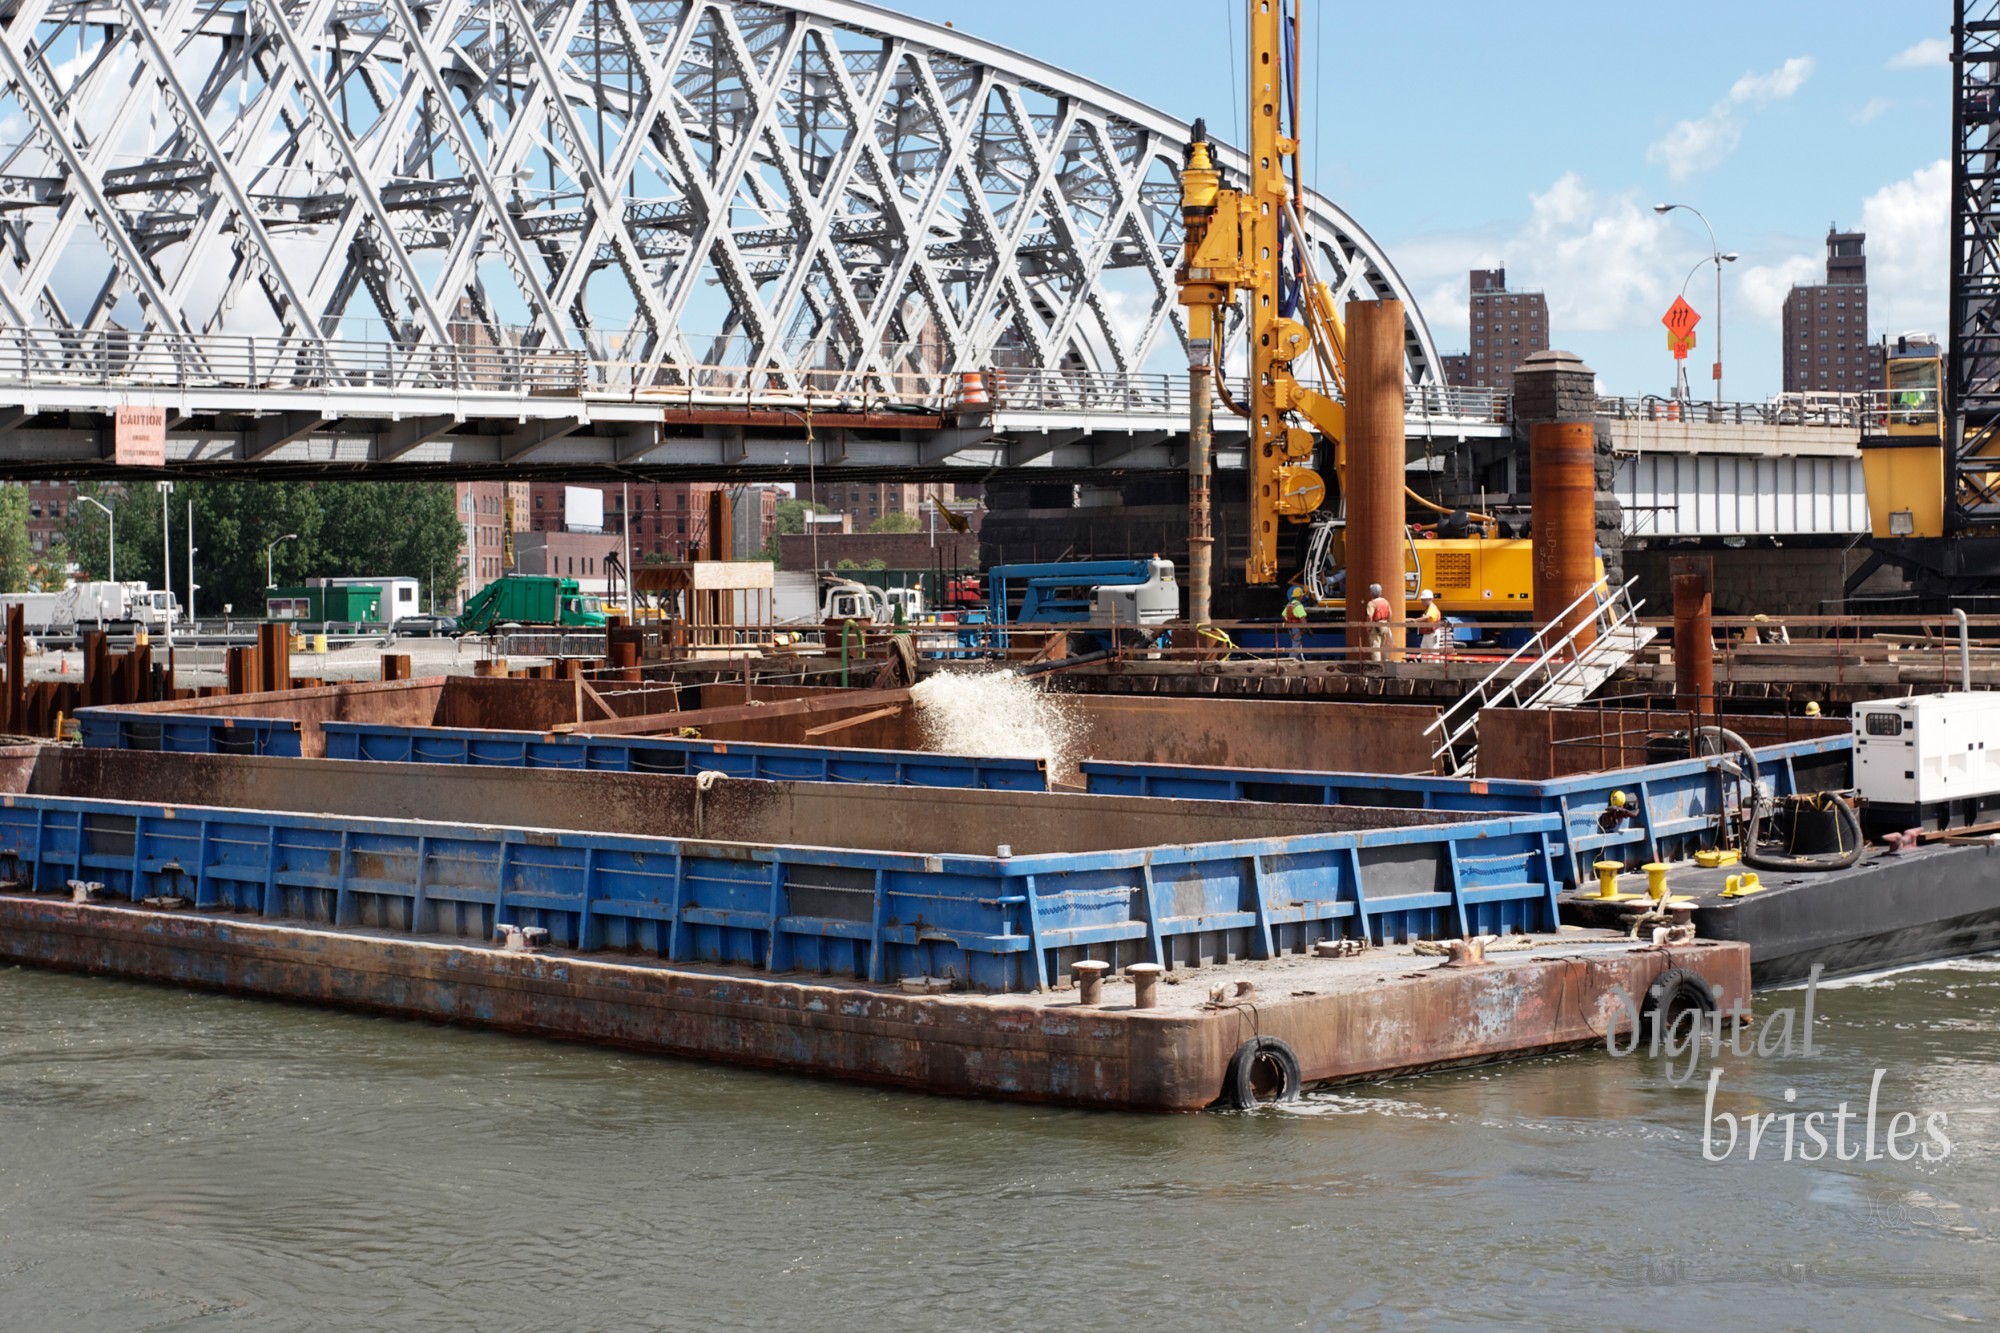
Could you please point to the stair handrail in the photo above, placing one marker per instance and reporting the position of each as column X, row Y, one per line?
column 1604, row 645
column 1479, row 691
column 1479, row 697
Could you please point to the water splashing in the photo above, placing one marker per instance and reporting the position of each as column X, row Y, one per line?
column 1000, row 715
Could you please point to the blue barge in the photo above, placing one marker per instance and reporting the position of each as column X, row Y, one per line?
column 780, row 923
column 1670, row 809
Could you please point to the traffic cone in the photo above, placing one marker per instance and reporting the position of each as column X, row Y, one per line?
column 62, row 664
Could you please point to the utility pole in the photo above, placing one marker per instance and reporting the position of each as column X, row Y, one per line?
column 192, row 585
column 167, row 554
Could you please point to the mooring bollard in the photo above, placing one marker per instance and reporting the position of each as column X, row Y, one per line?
column 1145, row 984
column 1089, row 978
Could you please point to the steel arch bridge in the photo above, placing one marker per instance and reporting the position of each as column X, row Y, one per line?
column 644, row 186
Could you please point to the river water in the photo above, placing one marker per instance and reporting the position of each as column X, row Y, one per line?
column 171, row 1160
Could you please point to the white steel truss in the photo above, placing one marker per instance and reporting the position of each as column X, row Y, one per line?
column 647, row 185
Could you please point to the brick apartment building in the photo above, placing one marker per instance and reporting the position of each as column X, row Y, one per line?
column 1827, row 349
column 482, row 511
column 1504, row 329
column 669, row 519
column 49, row 506
column 866, row 501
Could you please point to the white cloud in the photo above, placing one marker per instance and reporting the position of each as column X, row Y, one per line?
column 1876, row 106
column 1694, row 144
column 1776, row 86
column 1758, row 291
column 1603, row 261
column 1908, row 252
column 1598, row 256
column 1704, row 141
column 1930, row 51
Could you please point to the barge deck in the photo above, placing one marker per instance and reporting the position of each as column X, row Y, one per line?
column 779, row 923
column 1382, row 1012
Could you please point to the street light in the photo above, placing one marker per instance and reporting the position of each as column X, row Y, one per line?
column 269, row 581
column 111, row 536
column 1719, row 259
column 1681, row 373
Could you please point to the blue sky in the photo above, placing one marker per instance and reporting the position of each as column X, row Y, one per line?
column 1538, row 135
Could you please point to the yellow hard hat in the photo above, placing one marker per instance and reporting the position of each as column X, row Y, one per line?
column 1618, row 800
column 1812, row 709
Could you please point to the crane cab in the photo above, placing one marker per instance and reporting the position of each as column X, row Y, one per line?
column 1902, row 446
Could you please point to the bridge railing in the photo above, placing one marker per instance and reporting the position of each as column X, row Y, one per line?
column 152, row 359
column 753, row 389
column 1030, row 390
column 129, row 358
column 1787, row 409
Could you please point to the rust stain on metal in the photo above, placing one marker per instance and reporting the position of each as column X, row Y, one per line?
column 1160, row 1059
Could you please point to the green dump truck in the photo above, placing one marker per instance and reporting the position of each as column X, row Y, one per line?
column 531, row 600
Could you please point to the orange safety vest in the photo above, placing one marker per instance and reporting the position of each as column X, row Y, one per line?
column 1378, row 608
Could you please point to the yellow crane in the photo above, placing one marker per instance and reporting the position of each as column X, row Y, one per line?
column 1238, row 243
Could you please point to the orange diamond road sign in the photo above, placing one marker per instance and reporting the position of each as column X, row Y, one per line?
column 1680, row 316
column 1680, row 320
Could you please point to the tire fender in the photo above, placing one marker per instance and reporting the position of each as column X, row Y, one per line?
column 1672, row 992
column 1256, row 1060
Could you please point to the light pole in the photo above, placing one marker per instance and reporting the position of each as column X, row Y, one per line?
column 167, row 556
column 192, row 585
column 110, row 539
column 269, row 581
column 1719, row 259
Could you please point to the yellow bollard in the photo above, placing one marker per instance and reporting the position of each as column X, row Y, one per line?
column 1656, row 880
column 1607, row 877
column 1739, row 886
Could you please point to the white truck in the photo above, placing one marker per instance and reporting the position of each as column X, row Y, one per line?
column 95, row 605
column 104, row 605
column 37, row 608
column 800, row 598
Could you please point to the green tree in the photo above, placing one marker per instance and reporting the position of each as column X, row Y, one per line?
column 896, row 522
column 792, row 515
column 339, row 529
column 16, row 553
column 335, row 528
column 87, row 533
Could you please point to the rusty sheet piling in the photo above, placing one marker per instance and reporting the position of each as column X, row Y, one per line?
column 1563, row 493
column 1694, row 634
column 1376, row 432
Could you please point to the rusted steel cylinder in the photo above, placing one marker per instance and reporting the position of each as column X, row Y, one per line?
column 1374, row 473
column 1089, row 977
column 1145, row 984
column 1563, row 492
column 1694, row 639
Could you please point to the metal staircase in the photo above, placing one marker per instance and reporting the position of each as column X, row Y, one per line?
column 1556, row 674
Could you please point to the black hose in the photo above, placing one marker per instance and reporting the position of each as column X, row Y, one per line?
column 1843, row 811
column 1719, row 737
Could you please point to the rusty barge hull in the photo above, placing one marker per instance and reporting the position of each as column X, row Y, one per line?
column 1347, row 1020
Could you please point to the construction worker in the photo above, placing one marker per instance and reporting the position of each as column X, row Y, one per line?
column 1378, row 624
column 1295, row 621
column 1433, row 621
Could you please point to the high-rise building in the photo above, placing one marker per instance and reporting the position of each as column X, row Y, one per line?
column 865, row 502
column 1826, row 325
column 483, row 511
column 669, row 519
column 49, row 506
column 1506, row 327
